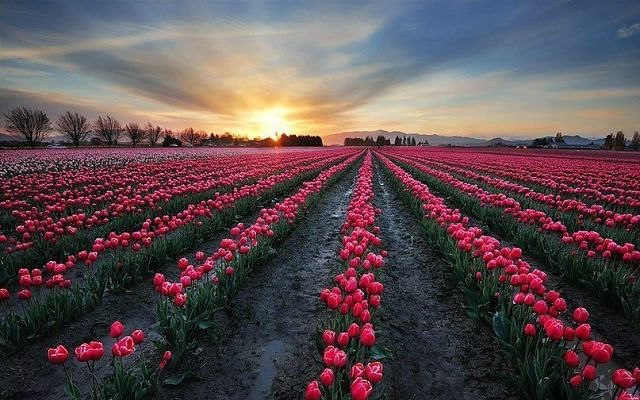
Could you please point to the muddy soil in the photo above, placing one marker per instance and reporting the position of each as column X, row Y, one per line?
column 265, row 347
column 28, row 374
column 439, row 352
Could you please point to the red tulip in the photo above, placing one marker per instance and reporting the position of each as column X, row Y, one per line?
column 158, row 279
column 600, row 352
column 312, row 392
column 373, row 371
column 368, row 337
column 554, row 329
column 4, row 294
column 25, row 280
column 357, row 370
column 123, row 347
column 167, row 355
column 360, row 389
column 339, row 358
column 569, row 333
column 623, row 378
column 575, row 381
column 636, row 375
column 180, row 300
column 326, row 377
column 58, row 354
column 328, row 337
column 24, row 294
column 589, row 372
column 580, row 315
column 116, row 329
column 353, row 330
column 343, row 339
column 540, row 307
column 92, row 351
column 137, row 336
column 571, row 358
column 328, row 354
column 530, row 330
column 583, row 332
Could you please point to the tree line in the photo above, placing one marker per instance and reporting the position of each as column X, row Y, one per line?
column 382, row 141
column 35, row 127
column 612, row 141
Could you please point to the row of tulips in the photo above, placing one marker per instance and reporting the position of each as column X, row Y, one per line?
column 33, row 196
column 135, row 381
column 611, row 278
column 152, row 229
column 50, row 311
column 164, row 198
column 589, row 241
column 554, row 355
column 188, row 305
column 19, row 163
column 588, row 178
column 579, row 210
column 347, row 334
column 51, row 211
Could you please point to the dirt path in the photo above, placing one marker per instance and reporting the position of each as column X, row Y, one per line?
column 438, row 351
column 28, row 375
column 266, row 347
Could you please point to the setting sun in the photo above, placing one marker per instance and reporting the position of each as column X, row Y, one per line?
column 270, row 123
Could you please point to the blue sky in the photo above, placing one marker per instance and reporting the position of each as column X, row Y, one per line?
column 481, row 68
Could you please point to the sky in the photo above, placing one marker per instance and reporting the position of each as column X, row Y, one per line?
column 475, row 68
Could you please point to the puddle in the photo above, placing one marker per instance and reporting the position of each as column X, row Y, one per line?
column 262, row 384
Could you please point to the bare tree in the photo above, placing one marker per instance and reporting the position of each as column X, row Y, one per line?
column 192, row 137
column 34, row 125
column 135, row 133
column 153, row 134
column 108, row 129
column 75, row 126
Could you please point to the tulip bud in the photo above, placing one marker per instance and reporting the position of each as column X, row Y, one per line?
column 326, row 377
column 312, row 392
column 116, row 329
column 530, row 330
column 328, row 337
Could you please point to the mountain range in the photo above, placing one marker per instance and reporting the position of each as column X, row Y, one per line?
column 440, row 140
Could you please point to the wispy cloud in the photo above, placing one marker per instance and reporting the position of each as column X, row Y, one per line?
column 628, row 31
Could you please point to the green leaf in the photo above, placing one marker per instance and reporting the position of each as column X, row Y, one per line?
column 204, row 325
column 72, row 390
column 380, row 353
column 501, row 327
column 176, row 380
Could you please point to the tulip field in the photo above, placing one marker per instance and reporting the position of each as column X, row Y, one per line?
column 334, row 273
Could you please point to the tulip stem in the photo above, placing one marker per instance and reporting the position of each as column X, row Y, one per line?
column 64, row 367
column 94, row 381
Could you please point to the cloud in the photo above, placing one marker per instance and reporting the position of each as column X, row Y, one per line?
column 628, row 31
column 329, row 65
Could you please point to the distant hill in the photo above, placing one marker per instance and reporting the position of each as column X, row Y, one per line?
column 440, row 140
column 577, row 140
